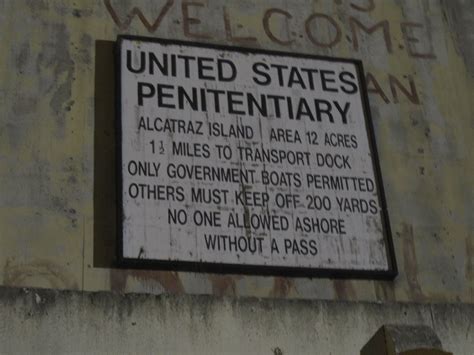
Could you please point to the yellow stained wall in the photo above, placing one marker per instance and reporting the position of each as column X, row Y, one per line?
column 57, row 222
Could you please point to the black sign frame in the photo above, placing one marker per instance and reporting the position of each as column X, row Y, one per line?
column 264, row 270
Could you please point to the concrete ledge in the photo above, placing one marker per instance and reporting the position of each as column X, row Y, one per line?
column 58, row 322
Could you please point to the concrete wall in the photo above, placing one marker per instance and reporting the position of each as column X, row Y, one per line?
column 57, row 221
column 60, row 322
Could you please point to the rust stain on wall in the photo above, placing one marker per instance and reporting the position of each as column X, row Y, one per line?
column 410, row 262
column 344, row 290
column 224, row 285
column 282, row 286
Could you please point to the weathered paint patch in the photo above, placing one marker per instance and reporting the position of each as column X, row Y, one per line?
column 20, row 274
column 410, row 263
column 169, row 281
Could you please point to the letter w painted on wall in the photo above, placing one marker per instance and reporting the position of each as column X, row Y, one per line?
column 151, row 27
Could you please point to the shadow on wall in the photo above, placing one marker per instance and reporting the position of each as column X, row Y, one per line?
column 105, row 188
column 105, row 222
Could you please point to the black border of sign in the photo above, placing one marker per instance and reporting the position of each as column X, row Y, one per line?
column 174, row 265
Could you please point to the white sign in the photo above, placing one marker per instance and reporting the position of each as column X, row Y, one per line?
column 247, row 161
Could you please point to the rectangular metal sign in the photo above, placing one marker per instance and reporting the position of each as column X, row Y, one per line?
column 247, row 161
